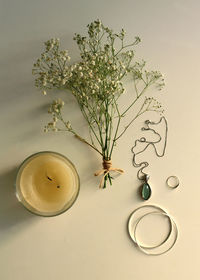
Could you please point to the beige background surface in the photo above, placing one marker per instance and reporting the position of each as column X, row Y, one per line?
column 90, row 241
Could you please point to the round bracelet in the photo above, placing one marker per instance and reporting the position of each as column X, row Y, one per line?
column 132, row 236
column 172, row 224
column 172, row 182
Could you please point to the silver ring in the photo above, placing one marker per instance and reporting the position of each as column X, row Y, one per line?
column 175, row 182
column 172, row 224
column 132, row 236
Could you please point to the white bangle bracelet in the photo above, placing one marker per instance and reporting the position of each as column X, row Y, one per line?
column 131, row 227
column 133, row 224
column 173, row 225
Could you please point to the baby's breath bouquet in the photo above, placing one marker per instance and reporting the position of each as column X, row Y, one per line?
column 96, row 82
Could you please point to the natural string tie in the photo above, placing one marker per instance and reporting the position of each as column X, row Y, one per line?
column 107, row 167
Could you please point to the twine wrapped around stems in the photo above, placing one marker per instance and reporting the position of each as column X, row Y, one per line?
column 107, row 167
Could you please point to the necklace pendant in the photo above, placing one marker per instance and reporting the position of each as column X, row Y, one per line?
column 146, row 189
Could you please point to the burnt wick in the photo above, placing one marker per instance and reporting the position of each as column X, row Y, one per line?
column 49, row 178
column 58, row 187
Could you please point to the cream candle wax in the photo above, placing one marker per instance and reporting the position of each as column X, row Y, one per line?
column 47, row 183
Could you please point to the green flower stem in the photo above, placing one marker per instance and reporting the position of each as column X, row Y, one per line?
column 93, row 131
column 135, row 100
column 126, row 127
column 110, row 130
column 107, row 177
column 89, row 123
column 92, row 112
column 107, row 123
column 105, row 181
column 86, row 142
column 78, row 136
column 125, row 47
column 148, row 109
column 110, row 179
column 117, row 128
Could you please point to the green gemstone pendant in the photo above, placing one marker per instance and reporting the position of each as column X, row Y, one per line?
column 146, row 191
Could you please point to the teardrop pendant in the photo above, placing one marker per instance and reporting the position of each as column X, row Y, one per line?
column 146, row 191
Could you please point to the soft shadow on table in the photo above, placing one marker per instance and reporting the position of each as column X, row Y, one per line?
column 13, row 216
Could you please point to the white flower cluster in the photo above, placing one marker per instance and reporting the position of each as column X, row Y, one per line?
column 95, row 78
column 147, row 77
column 96, row 81
column 51, row 68
column 151, row 104
column 55, row 110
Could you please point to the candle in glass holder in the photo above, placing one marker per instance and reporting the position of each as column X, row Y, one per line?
column 47, row 183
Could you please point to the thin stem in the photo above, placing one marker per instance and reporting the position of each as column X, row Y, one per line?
column 106, row 128
column 92, row 141
column 129, row 107
column 93, row 114
column 136, row 90
column 84, row 141
column 124, row 47
column 111, row 127
column 92, row 129
column 127, row 126
column 87, row 119
column 117, row 128
column 81, row 139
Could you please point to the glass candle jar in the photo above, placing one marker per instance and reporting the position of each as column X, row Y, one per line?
column 47, row 183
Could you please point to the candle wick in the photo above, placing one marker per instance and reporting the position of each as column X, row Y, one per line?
column 49, row 178
column 58, row 187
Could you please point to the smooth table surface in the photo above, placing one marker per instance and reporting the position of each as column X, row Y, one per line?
column 90, row 241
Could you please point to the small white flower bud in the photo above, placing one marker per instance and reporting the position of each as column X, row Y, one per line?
column 63, row 82
column 68, row 125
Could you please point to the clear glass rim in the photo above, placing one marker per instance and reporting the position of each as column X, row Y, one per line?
column 32, row 210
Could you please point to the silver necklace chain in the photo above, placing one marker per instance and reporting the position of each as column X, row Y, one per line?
column 141, row 174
